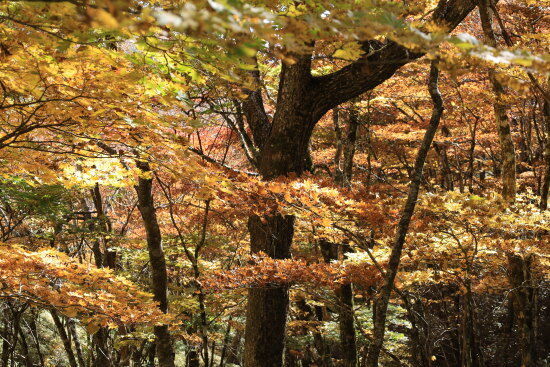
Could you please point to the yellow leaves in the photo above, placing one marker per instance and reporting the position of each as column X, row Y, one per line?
column 350, row 51
column 85, row 173
column 48, row 277
column 296, row 10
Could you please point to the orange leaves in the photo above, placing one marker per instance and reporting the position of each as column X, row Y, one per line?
column 49, row 278
column 266, row 272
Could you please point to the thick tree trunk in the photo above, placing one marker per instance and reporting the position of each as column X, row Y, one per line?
column 524, row 301
column 164, row 350
column 267, row 307
column 508, row 154
column 381, row 304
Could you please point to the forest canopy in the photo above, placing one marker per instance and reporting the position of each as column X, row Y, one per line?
column 295, row 183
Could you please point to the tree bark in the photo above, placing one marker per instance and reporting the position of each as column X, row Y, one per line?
column 344, row 169
column 524, row 301
column 267, row 307
column 64, row 338
column 165, row 352
column 469, row 348
column 346, row 319
column 508, row 154
column 101, row 337
column 381, row 304
column 74, row 336
column 546, row 183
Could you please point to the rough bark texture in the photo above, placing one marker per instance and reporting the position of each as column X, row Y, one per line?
column 508, row 168
column 267, row 307
column 164, row 350
column 346, row 145
column 524, row 302
column 381, row 304
column 546, row 183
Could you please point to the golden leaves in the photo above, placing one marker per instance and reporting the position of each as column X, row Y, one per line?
column 49, row 278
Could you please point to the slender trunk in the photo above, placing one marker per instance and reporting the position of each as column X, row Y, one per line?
column 225, row 343
column 381, row 304
column 74, row 336
column 546, row 183
column 345, row 147
column 34, row 332
column 101, row 338
column 470, row 354
column 508, row 154
column 233, row 355
column 25, row 347
column 524, row 301
column 344, row 293
column 5, row 341
column 346, row 323
column 344, row 296
column 64, row 338
column 144, row 189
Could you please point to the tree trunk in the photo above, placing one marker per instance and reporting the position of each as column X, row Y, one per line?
column 267, row 307
column 524, row 301
column 101, row 337
column 64, row 338
column 25, row 348
column 74, row 336
column 546, row 183
column 469, row 351
column 164, row 350
column 381, row 304
column 345, row 145
column 344, row 296
column 36, row 338
column 508, row 154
